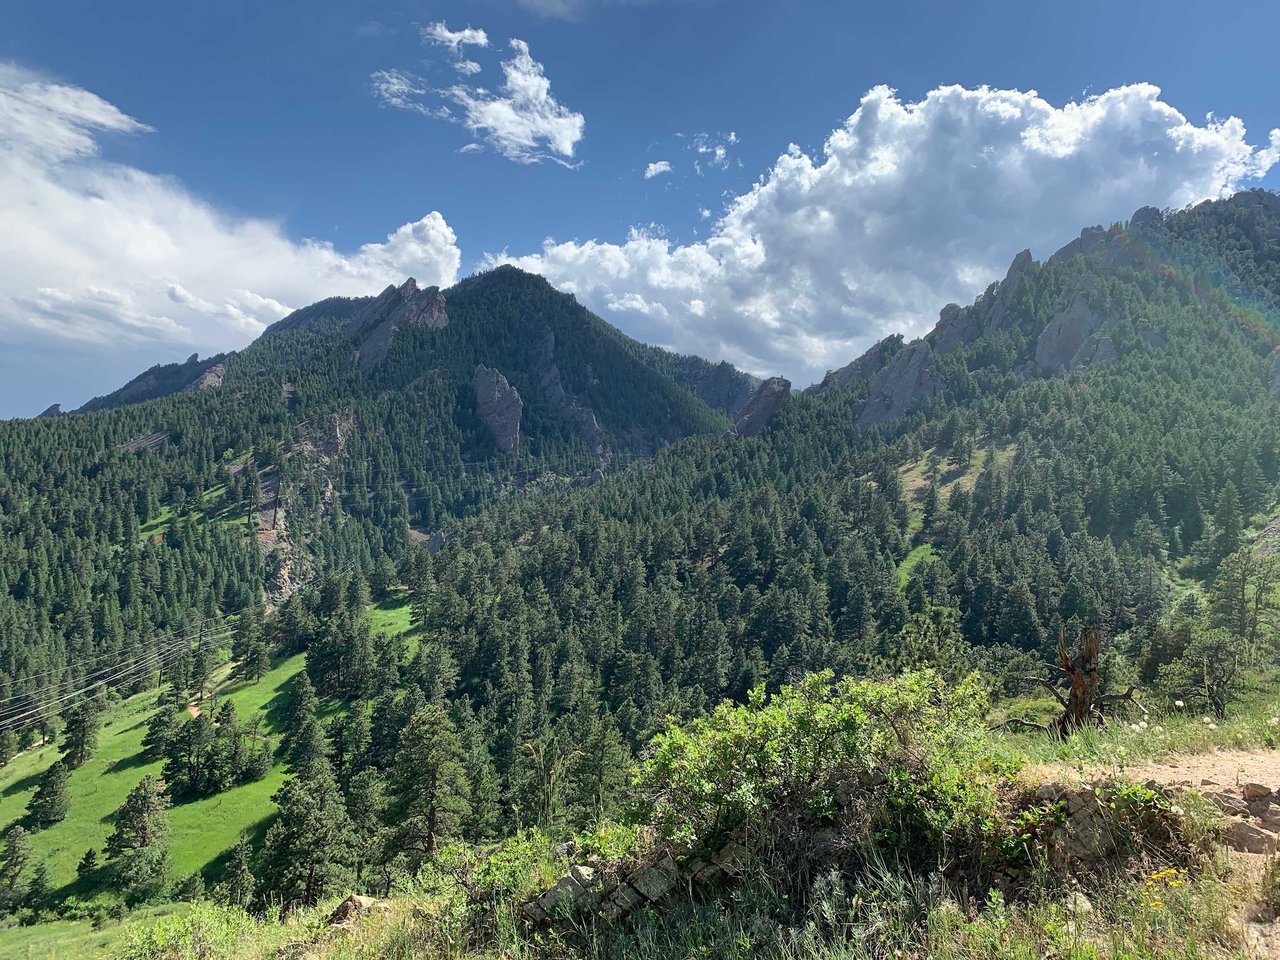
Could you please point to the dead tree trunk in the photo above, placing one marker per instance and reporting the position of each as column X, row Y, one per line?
column 1082, row 703
column 1080, row 707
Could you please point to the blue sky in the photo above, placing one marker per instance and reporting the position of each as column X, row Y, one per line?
column 264, row 123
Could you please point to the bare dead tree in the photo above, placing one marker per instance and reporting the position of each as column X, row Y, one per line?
column 1083, row 705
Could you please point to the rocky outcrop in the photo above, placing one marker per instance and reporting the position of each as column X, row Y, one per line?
column 1062, row 343
column 53, row 410
column 991, row 312
column 759, row 410
column 906, row 382
column 213, row 377
column 394, row 309
column 499, row 406
column 577, row 413
column 863, row 368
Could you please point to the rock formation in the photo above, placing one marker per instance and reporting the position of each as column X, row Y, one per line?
column 863, row 368
column 53, row 410
column 991, row 312
column 213, row 377
column 1063, row 339
column 908, row 380
column 499, row 406
column 577, row 413
column 759, row 410
column 393, row 309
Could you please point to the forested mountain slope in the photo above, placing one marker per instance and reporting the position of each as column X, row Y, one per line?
column 342, row 426
column 1087, row 444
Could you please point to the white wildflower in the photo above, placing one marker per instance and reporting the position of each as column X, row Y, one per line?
column 1179, row 704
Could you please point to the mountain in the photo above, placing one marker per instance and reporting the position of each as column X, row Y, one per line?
column 162, row 380
column 481, row 529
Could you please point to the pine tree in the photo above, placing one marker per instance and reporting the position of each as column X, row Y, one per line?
column 14, row 882
column 88, row 863
column 249, row 645
column 238, row 886
column 308, row 849
column 80, row 736
column 427, row 790
column 52, row 799
column 138, row 848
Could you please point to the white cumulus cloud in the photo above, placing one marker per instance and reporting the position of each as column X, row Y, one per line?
column 522, row 120
column 657, row 169
column 908, row 206
column 133, row 269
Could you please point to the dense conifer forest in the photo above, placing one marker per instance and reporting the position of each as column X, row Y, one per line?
column 323, row 590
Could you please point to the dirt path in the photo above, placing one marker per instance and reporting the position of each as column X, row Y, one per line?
column 1245, row 786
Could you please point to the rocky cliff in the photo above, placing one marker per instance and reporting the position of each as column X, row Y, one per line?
column 902, row 385
column 392, row 310
column 499, row 406
column 863, row 368
column 577, row 413
column 759, row 410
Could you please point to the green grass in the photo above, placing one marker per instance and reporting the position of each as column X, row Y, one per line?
column 918, row 554
column 77, row 939
column 202, row 830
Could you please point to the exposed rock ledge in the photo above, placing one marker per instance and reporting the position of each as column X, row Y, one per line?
column 499, row 406
column 759, row 410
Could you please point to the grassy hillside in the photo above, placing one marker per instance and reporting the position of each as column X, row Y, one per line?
column 203, row 830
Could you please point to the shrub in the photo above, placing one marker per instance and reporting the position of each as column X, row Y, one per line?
column 906, row 763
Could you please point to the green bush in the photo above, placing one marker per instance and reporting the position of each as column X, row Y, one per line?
column 205, row 932
column 906, row 763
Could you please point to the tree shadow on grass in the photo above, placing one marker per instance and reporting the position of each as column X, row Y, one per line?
column 18, row 786
column 139, row 759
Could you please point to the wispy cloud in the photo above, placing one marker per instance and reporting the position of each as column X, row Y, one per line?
column 137, row 266
column 522, row 120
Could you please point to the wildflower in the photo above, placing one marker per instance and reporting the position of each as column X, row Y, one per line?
column 1213, row 726
column 1142, row 724
column 1274, row 722
column 1158, row 729
column 1179, row 704
column 1135, row 728
column 1206, row 721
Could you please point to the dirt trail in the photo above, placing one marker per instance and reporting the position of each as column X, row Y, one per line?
column 1245, row 786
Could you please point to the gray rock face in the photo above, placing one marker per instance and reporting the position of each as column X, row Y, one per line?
column 1091, row 239
column 394, row 309
column 863, row 368
column 1065, row 336
column 990, row 312
column 499, row 406
column 904, row 384
column 759, row 410
column 577, row 413
column 53, row 410
column 1095, row 351
column 213, row 377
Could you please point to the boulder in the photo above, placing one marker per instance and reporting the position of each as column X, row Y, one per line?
column 1247, row 836
column 499, row 406
column 1255, row 791
column 759, row 410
